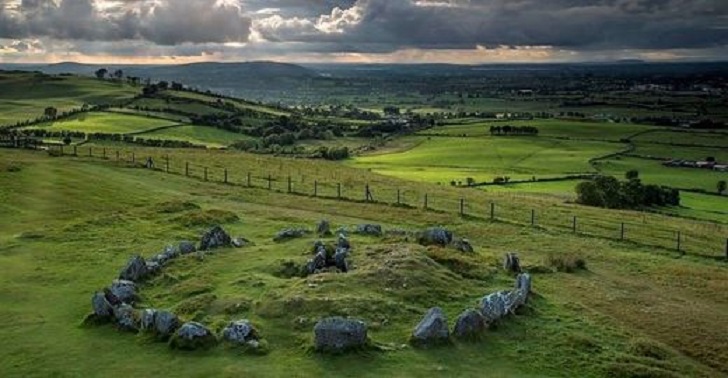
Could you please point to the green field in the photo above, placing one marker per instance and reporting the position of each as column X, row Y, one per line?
column 688, row 153
column 441, row 159
column 25, row 96
column 201, row 135
column 577, row 325
column 106, row 122
column 552, row 128
column 685, row 138
column 653, row 172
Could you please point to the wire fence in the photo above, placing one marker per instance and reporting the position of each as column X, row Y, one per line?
column 683, row 236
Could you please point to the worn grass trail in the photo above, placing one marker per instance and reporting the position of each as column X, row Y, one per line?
column 67, row 226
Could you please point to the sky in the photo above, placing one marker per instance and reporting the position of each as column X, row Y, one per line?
column 361, row 31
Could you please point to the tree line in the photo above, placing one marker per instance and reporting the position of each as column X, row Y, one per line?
column 513, row 130
column 609, row 192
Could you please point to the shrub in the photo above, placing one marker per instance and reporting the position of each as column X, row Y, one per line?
column 567, row 263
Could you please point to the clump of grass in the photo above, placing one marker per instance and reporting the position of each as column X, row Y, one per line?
column 634, row 370
column 468, row 266
column 207, row 218
column 290, row 269
column 566, row 262
column 195, row 305
column 650, row 349
column 171, row 207
column 583, row 342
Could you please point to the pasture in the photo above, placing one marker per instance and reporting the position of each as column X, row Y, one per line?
column 106, row 122
column 200, row 135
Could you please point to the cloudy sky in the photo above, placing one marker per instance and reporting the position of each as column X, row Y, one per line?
column 375, row 31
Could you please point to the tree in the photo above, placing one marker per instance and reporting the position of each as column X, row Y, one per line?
column 470, row 181
column 50, row 112
column 118, row 74
column 632, row 174
column 101, row 73
column 722, row 186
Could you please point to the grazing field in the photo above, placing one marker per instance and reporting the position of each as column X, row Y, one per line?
column 106, row 122
column 200, row 135
column 587, row 324
column 551, row 128
column 668, row 152
column 685, row 138
column 442, row 159
column 653, row 172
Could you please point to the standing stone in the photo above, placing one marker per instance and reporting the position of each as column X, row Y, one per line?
column 340, row 259
column 126, row 318
column 165, row 323
column 135, row 270
column 512, row 263
column 343, row 242
column 523, row 283
column 323, row 228
column 240, row 242
column 124, row 290
column 369, row 229
column 240, row 332
column 191, row 336
column 102, row 307
column 153, row 267
column 435, row 236
column 337, row 335
column 216, row 237
column 469, row 325
column 493, row 307
column 147, row 319
column 432, row 329
column 318, row 262
column 185, row 248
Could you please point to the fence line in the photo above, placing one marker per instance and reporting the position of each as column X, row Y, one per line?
column 681, row 241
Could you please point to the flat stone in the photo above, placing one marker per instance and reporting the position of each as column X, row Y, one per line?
column 470, row 324
column 135, row 270
column 337, row 335
column 432, row 329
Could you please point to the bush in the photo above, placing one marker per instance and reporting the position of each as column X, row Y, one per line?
column 567, row 263
column 607, row 191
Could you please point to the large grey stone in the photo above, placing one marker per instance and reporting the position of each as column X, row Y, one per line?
column 337, row 334
column 514, row 300
column 186, row 247
column 165, row 323
column 126, row 317
column 124, row 290
column 102, row 308
column 432, row 329
column 153, row 267
column 369, row 229
column 340, row 259
column 435, row 236
column 512, row 263
column 191, row 336
column 523, row 283
column 343, row 242
column 216, row 237
column 493, row 306
column 240, row 242
column 135, row 270
column 290, row 233
column 323, row 228
column 469, row 325
column 240, row 332
column 318, row 262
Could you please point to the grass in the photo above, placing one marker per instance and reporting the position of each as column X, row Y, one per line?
column 653, row 172
column 685, row 138
column 202, row 135
column 106, row 122
column 25, row 96
column 90, row 228
column 441, row 160
column 689, row 153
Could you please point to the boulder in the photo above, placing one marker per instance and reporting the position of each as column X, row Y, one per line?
column 135, row 270
column 493, row 306
column 186, row 247
column 512, row 263
column 463, row 245
column 240, row 332
column 469, row 325
column 147, row 319
column 337, row 335
column 153, row 267
column 340, row 259
column 342, row 231
column 191, row 336
column 514, row 300
column 102, row 308
column 126, row 318
column 165, row 323
column 124, row 290
column 369, row 229
column 432, row 329
column 240, row 242
column 523, row 283
column 290, row 233
column 323, row 228
column 216, row 237
column 435, row 236
column 318, row 262
column 343, row 242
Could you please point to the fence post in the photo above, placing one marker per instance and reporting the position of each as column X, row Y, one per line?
column 248, row 179
column 338, row 190
column 205, row 173
column 104, row 152
column 269, row 182
column 366, row 192
column 225, row 179
column 462, row 206
column 133, row 158
column 621, row 232
column 117, row 155
column 678, row 241
column 398, row 197
column 289, row 184
column 533, row 217
column 573, row 224
column 726, row 249
column 426, row 201
column 90, row 152
column 187, row 168
column 315, row 188
column 492, row 211
column 166, row 163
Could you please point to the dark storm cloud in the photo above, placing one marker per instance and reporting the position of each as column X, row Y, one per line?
column 591, row 24
column 166, row 22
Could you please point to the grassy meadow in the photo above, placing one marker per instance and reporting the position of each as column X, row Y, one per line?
column 106, row 122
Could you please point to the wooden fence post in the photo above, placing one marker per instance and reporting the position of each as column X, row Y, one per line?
column 426, row 201
column 90, row 152
column 621, row 232
column 462, row 206
column 205, row 173
column 492, row 211
column 117, row 155
column 678, row 242
column 225, row 179
column 166, row 163
column 573, row 224
column 269, row 182
column 315, row 188
column 289, row 184
column 248, row 179
column 338, row 190
column 187, row 168
column 398, row 197
column 533, row 217
column 104, row 152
